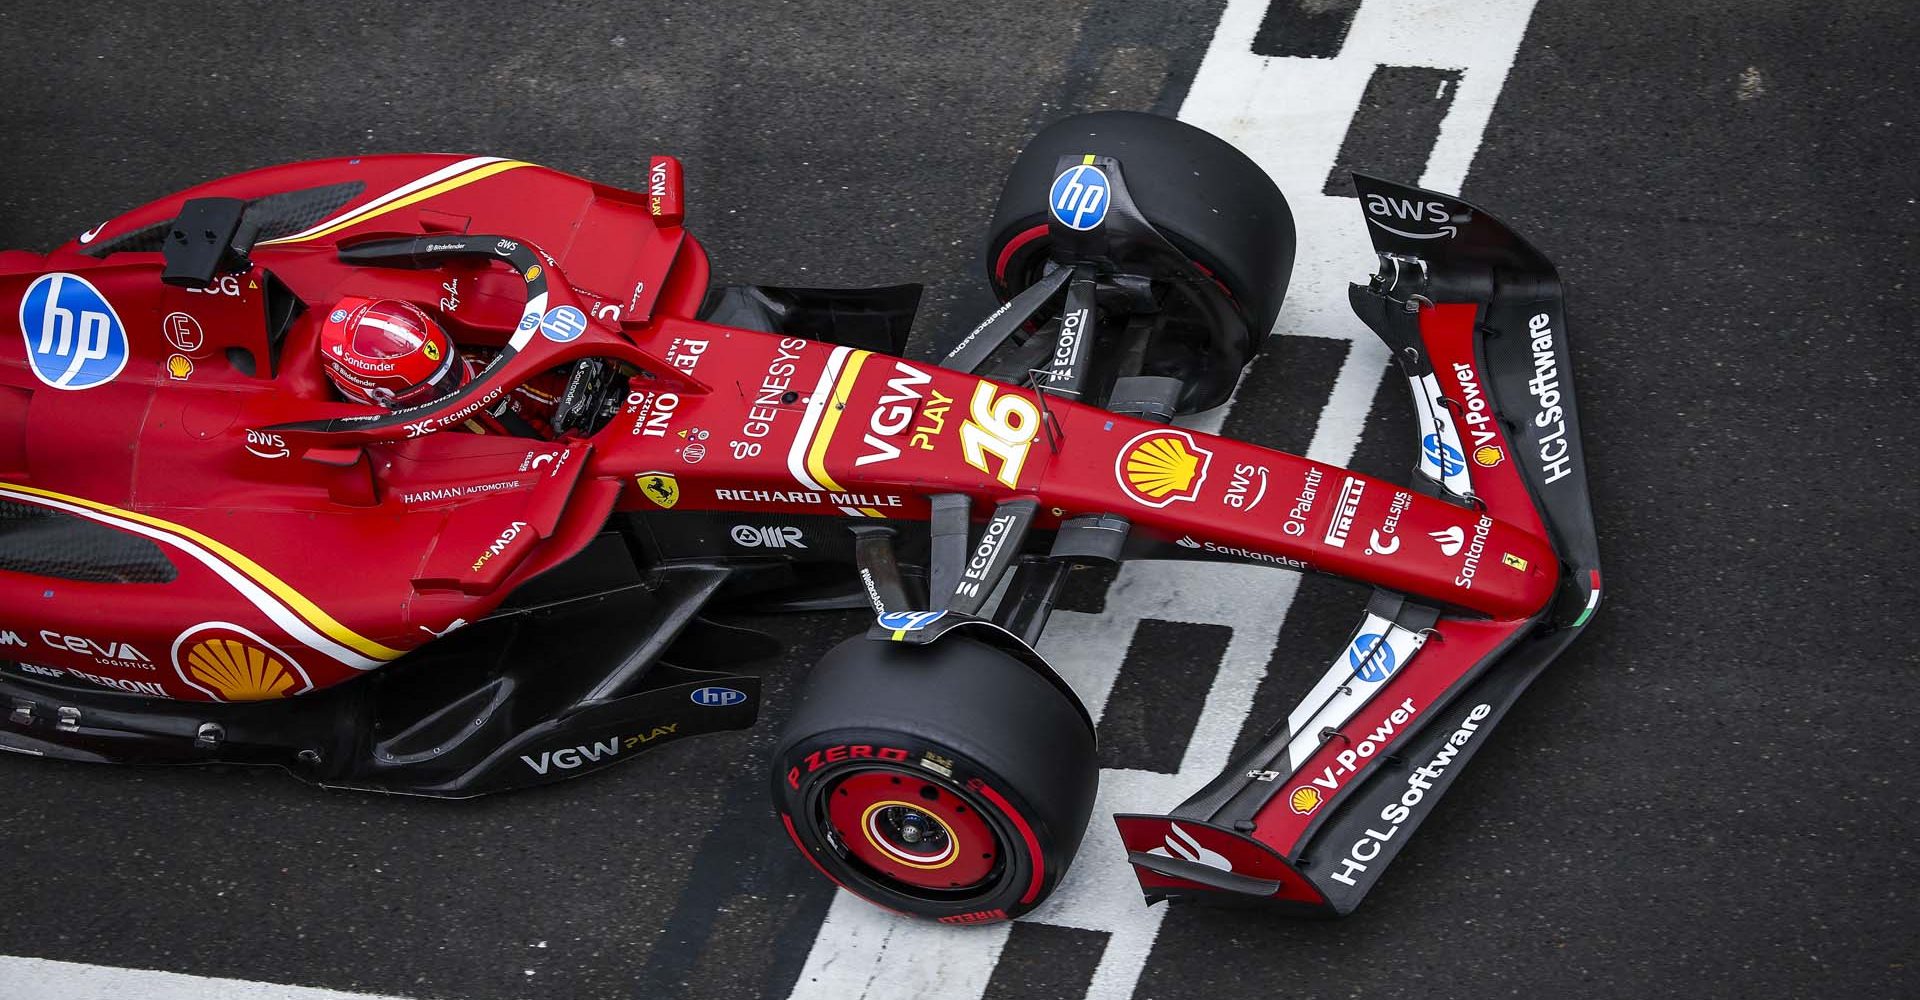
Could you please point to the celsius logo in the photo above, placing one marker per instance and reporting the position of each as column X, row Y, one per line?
column 1079, row 197
column 74, row 338
column 768, row 537
column 717, row 697
column 1188, row 849
column 1450, row 540
column 1371, row 657
column 1443, row 455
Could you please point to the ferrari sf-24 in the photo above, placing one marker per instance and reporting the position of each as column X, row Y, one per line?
column 428, row 475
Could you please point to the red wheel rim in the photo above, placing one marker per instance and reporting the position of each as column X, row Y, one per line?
column 912, row 830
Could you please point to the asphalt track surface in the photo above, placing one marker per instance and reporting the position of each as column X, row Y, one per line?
column 1708, row 795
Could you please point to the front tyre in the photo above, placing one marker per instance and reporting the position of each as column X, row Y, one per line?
column 950, row 781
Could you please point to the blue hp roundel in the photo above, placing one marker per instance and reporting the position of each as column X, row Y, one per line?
column 1079, row 197
column 717, row 697
column 563, row 323
column 74, row 338
column 1371, row 657
column 1444, row 455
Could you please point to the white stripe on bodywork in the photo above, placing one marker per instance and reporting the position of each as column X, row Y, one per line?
column 810, row 421
column 256, row 595
column 444, row 173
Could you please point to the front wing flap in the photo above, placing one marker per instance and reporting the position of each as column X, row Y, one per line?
column 1312, row 816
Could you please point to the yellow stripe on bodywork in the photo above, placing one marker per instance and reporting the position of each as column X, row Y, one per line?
column 451, row 183
column 294, row 600
column 1087, row 159
column 830, row 419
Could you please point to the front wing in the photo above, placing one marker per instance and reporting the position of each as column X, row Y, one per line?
column 1312, row 816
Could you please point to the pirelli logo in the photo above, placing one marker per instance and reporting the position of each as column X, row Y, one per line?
column 1344, row 510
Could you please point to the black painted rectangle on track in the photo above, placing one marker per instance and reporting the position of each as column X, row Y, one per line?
column 1157, row 697
column 1046, row 962
column 1393, row 131
column 1314, row 29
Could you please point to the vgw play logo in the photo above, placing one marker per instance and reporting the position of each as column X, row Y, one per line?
column 74, row 338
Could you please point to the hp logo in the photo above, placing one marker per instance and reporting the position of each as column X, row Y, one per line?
column 563, row 323
column 74, row 338
column 717, row 697
column 1079, row 197
column 1445, row 456
column 1371, row 658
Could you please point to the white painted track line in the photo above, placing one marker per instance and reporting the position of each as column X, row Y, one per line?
column 43, row 979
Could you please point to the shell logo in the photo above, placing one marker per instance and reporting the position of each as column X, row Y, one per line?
column 229, row 663
column 1489, row 455
column 1304, row 800
column 1162, row 466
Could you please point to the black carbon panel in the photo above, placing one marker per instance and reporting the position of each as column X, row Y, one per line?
column 57, row 544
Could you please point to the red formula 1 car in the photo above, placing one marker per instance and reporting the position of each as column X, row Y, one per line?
column 208, row 555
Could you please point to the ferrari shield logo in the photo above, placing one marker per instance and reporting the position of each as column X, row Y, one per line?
column 659, row 487
column 1162, row 466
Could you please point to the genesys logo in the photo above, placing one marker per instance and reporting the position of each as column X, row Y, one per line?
column 74, row 338
column 1161, row 467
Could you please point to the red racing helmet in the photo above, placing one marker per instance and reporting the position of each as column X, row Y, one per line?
column 388, row 352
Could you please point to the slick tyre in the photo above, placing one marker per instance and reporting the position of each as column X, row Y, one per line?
column 950, row 781
column 1209, row 200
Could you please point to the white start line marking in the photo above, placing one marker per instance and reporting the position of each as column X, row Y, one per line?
column 1290, row 115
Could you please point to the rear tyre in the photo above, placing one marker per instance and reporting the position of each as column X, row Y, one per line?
column 1209, row 200
column 951, row 781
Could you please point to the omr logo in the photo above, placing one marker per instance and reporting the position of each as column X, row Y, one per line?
column 74, row 338
column 1445, row 456
column 1079, row 197
column 1371, row 657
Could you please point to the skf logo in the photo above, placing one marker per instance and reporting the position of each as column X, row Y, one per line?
column 1489, row 455
column 1162, row 466
column 659, row 487
column 230, row 663
column 1304, row 800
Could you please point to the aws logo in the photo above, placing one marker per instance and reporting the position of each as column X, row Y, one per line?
column 229, row 663
column 1162, row 466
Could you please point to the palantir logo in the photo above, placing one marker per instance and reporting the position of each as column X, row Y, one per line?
column 74, row 338
column 1079, row 197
